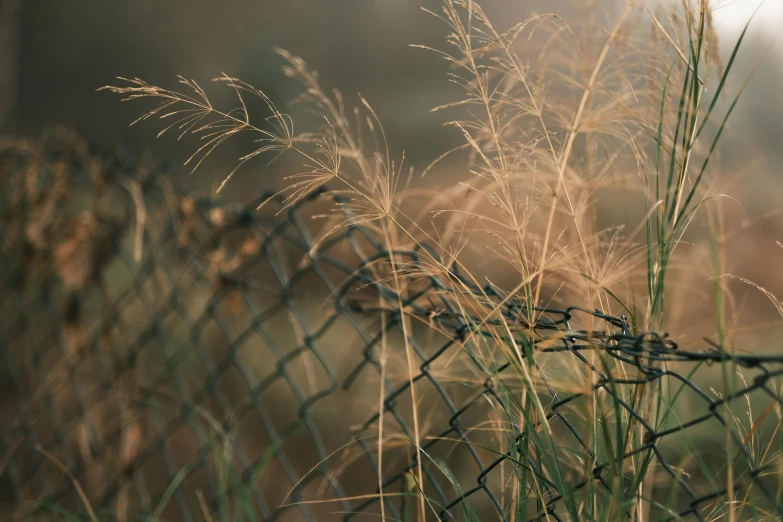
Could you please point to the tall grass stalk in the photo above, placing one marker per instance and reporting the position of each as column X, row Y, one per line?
column 542, row 133
column 674, row 193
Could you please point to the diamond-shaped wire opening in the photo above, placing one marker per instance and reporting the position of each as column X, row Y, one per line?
column 224, row 358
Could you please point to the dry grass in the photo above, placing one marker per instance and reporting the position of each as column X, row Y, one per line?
column 555, row 116
column 545, row 132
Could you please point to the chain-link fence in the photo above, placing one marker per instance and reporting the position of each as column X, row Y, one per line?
column 168, row 357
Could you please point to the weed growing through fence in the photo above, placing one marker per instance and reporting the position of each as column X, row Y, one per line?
column 544, row 132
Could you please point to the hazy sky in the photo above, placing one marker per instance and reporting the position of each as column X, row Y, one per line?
column 736, row 12
column 732, row 15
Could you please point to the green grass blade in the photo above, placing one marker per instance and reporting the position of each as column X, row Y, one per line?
column 710, row 152
column 723, row 79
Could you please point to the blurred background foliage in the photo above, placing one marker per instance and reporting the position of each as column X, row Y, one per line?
column 55, row 54
column 67, row 49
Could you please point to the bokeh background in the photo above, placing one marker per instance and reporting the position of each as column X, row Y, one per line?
column 55, row 54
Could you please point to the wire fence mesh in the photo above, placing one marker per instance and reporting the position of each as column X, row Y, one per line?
column 169, row 357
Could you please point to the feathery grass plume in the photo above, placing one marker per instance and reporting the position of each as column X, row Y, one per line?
column 368, row 184
column 547, row 131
